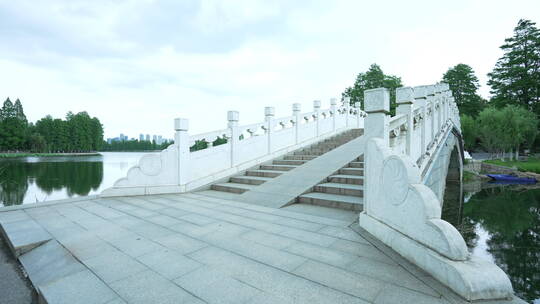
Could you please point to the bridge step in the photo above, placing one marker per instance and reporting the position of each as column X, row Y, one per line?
column 356, row 164
column 300, row 157
column 249, row 180
column 292, row 162
column 278, row 167
column 346, row 179
column 232, row 187
column 264, row 173
column 352, row 171
column 342, row 189
column 346, row 202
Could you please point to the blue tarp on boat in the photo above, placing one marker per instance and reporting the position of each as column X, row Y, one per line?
column 505, row 178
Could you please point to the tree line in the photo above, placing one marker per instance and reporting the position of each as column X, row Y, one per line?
column 508, row 120
column 133, row 145
column 76, row 133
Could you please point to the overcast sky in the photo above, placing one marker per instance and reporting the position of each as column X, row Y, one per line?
column 137, row 65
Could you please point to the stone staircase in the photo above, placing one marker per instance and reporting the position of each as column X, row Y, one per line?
column 253, row 177
column 343, row 190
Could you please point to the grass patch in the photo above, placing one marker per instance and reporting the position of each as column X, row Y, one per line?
column 530, row 165
column 468, row 176
column 25, row 154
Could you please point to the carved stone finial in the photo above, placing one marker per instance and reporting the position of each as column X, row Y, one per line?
column 377, row 100
column 181, row 124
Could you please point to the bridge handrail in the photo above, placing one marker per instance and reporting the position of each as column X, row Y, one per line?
column 180, row 169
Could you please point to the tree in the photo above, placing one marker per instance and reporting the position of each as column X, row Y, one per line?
column 469, row 131
column 372, row 79
column 516, row 76
column 13, row 126
column 464, row 85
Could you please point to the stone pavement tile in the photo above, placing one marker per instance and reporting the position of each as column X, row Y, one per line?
column 173, row 212
column 363, row 250
column 309, row 237
column 70, row 232
column 94, row 222
column 389, row 273
column 394, row 294
column 115, row 204
column 128, row 221
column 149, row 287
column 215, row 287
column 55, row 221
column 321, row 254
column 117, row 301
column 343, row 233
column 197, row 219
column 13, row 216
column 299, row 224
column 149, row 205
column 168, row 263
column 195, row 209
column 81, row 287
column 163, row 220
column 112, row 233
column 41, row 212
column 269, row 279
column 180, row 243
column 87, row 247
column 266, row 255
column 268, row 239
column 23, row 236
column 231, row 209
column 72, row 212
column 103, row 212
column 140, row 212
column 317, row 214
column 135, row 246
column 151, row 231
column 197, row 231
column 267, row 298
column 337, row 278
column 252, row 223
column 114, row 265
column 49, row 262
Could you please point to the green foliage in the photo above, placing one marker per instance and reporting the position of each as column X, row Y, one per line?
column 78, row 133
column 372, row 79
column 469, row 131
column 203, row 144
column 516, row 76
column 464, row 85
column 507, row 129
column 133, row 145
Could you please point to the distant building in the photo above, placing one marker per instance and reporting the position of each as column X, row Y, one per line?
column 147, row 137
column 159, row 140
column 141, row 137
column 154, row 138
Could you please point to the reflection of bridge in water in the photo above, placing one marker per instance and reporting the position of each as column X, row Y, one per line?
column 272, row 216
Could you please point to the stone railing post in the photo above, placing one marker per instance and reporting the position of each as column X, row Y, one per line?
column 431, row 97
column 333, row 108
column 296, row 108
column 347, row 101
column 317, row 110
column 232, row 117
column 358, row 107
column 377, row 107
column 269, row 113
column 440, row 104
column 420, row 99
column 404, row 100
column 181, row 140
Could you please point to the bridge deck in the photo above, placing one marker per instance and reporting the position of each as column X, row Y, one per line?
column 193, row 248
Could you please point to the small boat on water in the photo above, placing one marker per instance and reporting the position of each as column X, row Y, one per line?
column 510, row 179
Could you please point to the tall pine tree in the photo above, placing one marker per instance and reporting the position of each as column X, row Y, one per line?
column 464, row 85
column 516, row 76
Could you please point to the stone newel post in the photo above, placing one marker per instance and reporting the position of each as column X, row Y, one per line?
column 296, row 108
column 317, row 110
column 232, row 117
column 358, row 107
column 333, row 108
column 420, row 99
column 181, row 140
column 377, row 106
column 269, row 113
column 404, row 100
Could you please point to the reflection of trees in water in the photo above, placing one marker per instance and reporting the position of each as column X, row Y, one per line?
column 78, row 178
column 512, row 218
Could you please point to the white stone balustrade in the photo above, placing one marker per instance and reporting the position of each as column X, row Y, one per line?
column 176, row 169
column 400, row 208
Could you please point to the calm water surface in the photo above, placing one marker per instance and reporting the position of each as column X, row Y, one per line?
column 502, row 224
column 30, row 180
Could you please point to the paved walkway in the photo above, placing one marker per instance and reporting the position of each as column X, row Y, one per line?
column 192, row 248
column 14, row 287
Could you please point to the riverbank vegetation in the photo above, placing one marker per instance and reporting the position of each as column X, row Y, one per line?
column 133, row 146
column 532, row 164
column 76, row 133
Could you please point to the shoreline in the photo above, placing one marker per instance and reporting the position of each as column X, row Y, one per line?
column 29, row 154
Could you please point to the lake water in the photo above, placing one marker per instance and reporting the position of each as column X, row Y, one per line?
column 502, row 224
column 29, row 180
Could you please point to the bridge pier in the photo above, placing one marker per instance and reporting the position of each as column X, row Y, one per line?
column 401, row 210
